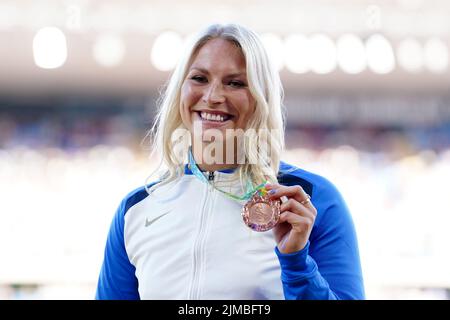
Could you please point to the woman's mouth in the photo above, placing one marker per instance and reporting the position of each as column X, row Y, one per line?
column 214, row 117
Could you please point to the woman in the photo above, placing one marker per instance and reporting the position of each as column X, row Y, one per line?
column 183, row 236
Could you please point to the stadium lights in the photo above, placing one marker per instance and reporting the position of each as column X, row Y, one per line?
column 297, row 53
column 300, row 54
column 109, row 50
column 49, row 48
column 436, row 56
column 351, row 54
column 166, row 49
column 274, row 47
column 380, row 55
column 323, row 54
column 410, row 55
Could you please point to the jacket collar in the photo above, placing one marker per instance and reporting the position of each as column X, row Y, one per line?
column 187, row 170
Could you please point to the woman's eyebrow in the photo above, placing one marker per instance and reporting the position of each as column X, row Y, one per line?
column 205, row 71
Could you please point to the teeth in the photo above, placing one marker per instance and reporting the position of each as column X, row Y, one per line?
column 211, row 117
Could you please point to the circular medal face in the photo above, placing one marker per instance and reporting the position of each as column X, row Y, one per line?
column 260, row 213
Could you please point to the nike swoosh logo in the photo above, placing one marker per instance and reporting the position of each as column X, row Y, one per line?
column 149, row 222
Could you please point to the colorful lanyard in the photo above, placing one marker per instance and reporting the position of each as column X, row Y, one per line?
column 196, row 171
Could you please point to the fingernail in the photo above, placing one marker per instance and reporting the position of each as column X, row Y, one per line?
column 271, row 192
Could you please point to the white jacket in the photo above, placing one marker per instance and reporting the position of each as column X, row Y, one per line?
column 186, row 240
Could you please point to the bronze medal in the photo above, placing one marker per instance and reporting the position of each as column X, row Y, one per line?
column 261, row 213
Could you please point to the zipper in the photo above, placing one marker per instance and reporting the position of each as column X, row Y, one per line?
column 199, row 242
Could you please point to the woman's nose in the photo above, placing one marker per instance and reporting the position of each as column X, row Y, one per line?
column 214, row 94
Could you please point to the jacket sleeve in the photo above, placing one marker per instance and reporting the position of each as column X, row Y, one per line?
column 117, row 280
column 328, row 268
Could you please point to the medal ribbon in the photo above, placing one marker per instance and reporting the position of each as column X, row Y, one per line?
column 196, row 171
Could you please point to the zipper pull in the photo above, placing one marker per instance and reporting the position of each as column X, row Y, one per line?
column 211, row 180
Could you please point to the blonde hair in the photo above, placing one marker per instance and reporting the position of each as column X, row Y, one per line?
column 264, row 85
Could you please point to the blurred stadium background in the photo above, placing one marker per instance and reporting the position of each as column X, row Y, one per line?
column 368, row 104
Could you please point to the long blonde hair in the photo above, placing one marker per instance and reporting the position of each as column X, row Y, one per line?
column 264, row 85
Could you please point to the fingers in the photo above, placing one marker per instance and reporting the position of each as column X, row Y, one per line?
column 296, row 192
column 296, row 207
column 299, row 223
column 297, row 236
column 297, row 212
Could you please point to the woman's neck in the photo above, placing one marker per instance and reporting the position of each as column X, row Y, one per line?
column 212, row 165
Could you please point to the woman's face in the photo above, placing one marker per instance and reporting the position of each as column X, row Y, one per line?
column 215, row 93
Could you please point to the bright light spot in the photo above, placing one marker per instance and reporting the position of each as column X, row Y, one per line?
column 380, row 55
column 49, row 48
column 323, row 54
column 351, row 54
column 297, row 53
column 166, row 50
column 436, row 56
column 274, row 47
column 410, row 55
column 109, row 50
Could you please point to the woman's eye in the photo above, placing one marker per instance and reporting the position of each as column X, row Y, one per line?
column 237, row 84
column 198, row 78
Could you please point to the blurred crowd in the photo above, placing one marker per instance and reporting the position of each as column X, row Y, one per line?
column 75, row 128
column 62, row 177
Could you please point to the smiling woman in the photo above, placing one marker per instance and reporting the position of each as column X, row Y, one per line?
column 215, row 93
column 225, row 74
column 189, row 234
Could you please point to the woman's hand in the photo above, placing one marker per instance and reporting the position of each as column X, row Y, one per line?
column 296, row 220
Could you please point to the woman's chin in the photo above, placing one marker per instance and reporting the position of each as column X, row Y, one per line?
column 222, row 126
